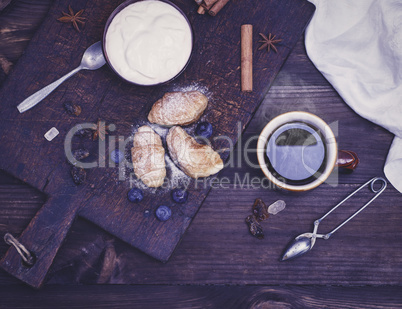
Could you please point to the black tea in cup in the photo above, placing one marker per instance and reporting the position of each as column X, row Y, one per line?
column 296, row 152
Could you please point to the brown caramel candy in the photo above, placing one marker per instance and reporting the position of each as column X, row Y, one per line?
column 254, row 227
column 260, row 210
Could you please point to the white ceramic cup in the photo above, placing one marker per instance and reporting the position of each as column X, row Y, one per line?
column 328, row 138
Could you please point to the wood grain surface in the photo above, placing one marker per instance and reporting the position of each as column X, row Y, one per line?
column 102, row 198
column 221, row 265
column 19, row 21
column 184, row 297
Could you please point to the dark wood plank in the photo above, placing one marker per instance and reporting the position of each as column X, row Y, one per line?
column 102, row 199
column 201, row 297
column 218, row 249
column 211, row 252
column 299, row 86
column 3, row 4
column 19, row 21
column 226, row 248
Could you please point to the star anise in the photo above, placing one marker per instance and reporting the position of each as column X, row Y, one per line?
column 73, row 18
column 100, row 130
column 269, row 42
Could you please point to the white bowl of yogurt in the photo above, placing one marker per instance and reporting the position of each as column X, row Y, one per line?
column 148, row 42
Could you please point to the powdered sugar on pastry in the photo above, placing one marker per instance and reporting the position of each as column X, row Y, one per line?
column 178, row 108
column 177, row 178
column 196, row 160
column 148, row 156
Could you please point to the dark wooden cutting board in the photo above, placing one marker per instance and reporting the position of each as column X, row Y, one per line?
column 56, row 49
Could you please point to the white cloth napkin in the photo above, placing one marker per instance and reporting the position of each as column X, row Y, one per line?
column 357, row 45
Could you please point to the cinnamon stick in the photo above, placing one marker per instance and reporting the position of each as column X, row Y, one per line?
column 247, row 58
column 201, row 10
column 209, row 3
column 217, row 7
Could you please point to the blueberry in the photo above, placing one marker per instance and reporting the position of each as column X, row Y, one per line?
column 135, row 195
column 117, row 156
column 179, row 196
column 163, row 213
column 204, row 129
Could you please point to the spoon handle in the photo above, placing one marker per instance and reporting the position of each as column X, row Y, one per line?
column 38, row 96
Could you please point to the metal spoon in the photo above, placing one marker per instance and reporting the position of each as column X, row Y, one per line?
column 305, row 242
column 91, row 60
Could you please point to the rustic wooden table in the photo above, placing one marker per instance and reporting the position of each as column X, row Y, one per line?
column 218, row 264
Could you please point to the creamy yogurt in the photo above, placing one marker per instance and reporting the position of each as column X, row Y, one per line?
column 148, row 42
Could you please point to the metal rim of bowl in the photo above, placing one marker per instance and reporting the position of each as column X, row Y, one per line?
column 122, row 6
column 330, row 142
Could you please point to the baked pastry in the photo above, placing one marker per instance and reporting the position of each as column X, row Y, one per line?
column 178, row 108
column 148, row 156
column 194, row 159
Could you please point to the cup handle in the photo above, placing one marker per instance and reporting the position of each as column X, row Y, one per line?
column 347, row 160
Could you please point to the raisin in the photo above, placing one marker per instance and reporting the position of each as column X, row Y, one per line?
column 260, row 210
column 80, row 154
column 72, row 109
column 254, row 227
column 79, row 175
column 84, row 133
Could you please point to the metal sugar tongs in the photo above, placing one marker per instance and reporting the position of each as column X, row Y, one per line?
column 305, row 242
